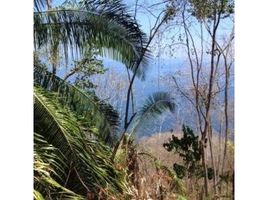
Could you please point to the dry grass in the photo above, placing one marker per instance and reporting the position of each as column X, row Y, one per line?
column 157, row 184
column 154, row 146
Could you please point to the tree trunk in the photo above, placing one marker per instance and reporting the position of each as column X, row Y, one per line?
column 204, row 163
column 213, row 161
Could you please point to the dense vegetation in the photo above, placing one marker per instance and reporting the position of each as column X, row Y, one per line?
column 83, row 147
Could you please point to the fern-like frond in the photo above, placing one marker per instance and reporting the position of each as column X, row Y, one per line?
column 118, row 12
column 155, row 105
column 39, row 5
column 49, row 166
column 89, row 168
column 38, row 195
column 86, row 105
column 111, row 30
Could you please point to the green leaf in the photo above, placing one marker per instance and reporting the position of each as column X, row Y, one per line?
column 154, row 106
column 85, row 160
column 111, row 30
column 87, row 106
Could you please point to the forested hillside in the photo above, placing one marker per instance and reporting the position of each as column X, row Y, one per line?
column 133, row 99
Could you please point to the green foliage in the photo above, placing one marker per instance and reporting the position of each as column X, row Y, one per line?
column 47, row 167
column 203, row 9
column 38, row 195
column 180, row 170
column 72, row 125
column 156, row 104
column 91, row 24
column 86, row 105
column 84, row 69
column 39, row 5
column 188, row 147
column 81, row 164
column 153, row 107
column 182, row 198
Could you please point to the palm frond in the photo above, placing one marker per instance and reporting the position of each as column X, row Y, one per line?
column 118, row 12
column 38, row 195
column 157, row 103
column 112, row 31
column 86, row 105
column 47, row 164
column 154, row 106
column 39, row 5
column 87, row 161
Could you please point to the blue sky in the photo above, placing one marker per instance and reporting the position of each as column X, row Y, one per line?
column 142, row 18
column 147, row 20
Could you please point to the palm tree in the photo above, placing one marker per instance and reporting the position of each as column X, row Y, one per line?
column 72, row 126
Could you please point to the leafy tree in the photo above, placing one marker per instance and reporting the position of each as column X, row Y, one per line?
column 209, row 15
column 188, row 147
column 72, row 125
column 75, row 123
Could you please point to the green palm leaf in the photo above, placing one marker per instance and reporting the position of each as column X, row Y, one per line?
column 87, row 161
column 39, row 4
column 47, row 162
column 87, row 106
column 154, row 106
column 110, row 30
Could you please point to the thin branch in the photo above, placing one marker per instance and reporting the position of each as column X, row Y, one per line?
column 132, row 95
column 82, row 182
column 157, row 4
column 185, row 95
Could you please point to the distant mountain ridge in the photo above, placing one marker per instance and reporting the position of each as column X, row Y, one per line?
column 156, row 69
